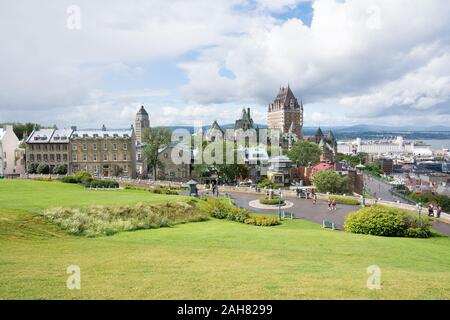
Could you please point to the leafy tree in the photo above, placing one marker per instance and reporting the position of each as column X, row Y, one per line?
column 32, row 168
column 354, row 160
column 43, row 168
column 374, row 169
column 330, row 181
column 304, row 152
column 60, row 169
column 153, row 139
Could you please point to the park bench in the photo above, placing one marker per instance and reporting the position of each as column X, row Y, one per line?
column 285, row 214
column 328, row 225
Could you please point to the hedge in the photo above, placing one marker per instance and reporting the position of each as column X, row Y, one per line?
column 345, row 200
column 102, row 184
column 270, row 202
column 387, row 222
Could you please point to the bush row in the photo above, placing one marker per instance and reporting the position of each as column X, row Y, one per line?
column 221, row 210
column 387, row 222
column 85, row 178
column 102, row 184
column 101, row 220
column 345, row 200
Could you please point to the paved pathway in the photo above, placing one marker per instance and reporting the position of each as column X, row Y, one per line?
column 380, row 189
column 305, row 209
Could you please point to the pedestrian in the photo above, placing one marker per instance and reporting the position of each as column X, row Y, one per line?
column 298, row 192
column 314, row 198
column 333, row 203
column 217, row 192
column 439, row 210
column 329, row 205
column 430, row 210
column 435, row 211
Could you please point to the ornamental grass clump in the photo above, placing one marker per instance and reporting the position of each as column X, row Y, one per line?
column 104, row 220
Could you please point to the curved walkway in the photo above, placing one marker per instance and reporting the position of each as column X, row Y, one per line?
column 305, row 209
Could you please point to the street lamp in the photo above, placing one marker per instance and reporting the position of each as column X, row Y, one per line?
column 279, row 204
column 419, row 211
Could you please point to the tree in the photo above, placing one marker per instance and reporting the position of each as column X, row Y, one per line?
column 60, row 169
column 43, row 168
column 32, row 168
column 304, row 153
column 374, row 169
column 354, row 160
column 153, row 139
column 330, row 181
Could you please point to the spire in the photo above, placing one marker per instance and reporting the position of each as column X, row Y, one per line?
column 319, row 133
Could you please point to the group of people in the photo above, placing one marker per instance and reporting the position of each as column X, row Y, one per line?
column 332, row 205
column 434, row 211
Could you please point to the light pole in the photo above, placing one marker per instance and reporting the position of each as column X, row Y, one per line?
column 279, row 204
column 419, row 211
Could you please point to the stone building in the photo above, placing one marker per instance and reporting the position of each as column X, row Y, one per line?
column 12, row 160
column 286, row 113
column 103, row 153
column 48, row 146
column 245, row 122
column 141, row 123
column 176, row 162
column 327, row 144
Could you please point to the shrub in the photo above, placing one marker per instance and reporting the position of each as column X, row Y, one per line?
column 220, row 210
column 32, row 168
column 330, row 181
column 345, row 200
column 100, row 220
column 60, row 169
column 387, row 222
column 262, row 221
column 266, row 183
column 83, row 177
column 164, row 190
column 102, row 184
column 43, row 168
column 70, row 179
column 270, row 202
column 417, row 233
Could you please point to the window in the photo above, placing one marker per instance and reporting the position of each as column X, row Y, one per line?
column 65, row 157
column 105, row 157
column 58, row 147
column 58, row 158
column 125, row 146
column 32, row 147
column 45, row 157
column 74, row 157
column 114, row 146
column 84, row 146
column 94, row 157
column 74, row 147
column 125, row 157
column 85, row 167
column 32, row 157
column 52, row 158
column 105, row 146
column 84, row 157
column 65, row 147
column 94, row 146
column 114, row 156
column 95, row 169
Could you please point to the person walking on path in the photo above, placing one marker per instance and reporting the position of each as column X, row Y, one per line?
column 314, row 198
column 333, row 203
column 439, row 210
column 430, row 210
column 435, row 211
column 329, row 205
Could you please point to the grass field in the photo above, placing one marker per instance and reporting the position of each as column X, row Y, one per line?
column 205, row 260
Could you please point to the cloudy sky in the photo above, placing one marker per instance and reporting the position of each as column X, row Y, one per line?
column 351, row 61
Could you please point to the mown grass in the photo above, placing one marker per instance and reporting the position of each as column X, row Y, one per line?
column 216, row 259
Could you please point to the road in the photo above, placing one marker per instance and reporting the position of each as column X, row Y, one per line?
column 379, row 189
column 305, row 209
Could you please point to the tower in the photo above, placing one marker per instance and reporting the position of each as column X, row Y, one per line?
column 142, row 122
column 286, row 113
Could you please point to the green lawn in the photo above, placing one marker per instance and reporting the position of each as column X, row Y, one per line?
column 212, row 260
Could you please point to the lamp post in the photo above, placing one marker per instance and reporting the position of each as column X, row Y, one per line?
column 419, row 211
column 279, row 204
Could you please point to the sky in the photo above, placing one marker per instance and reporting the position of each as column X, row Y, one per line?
column 89, row 63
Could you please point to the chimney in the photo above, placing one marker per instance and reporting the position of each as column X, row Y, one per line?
column 103, row 128
column 248, row 112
